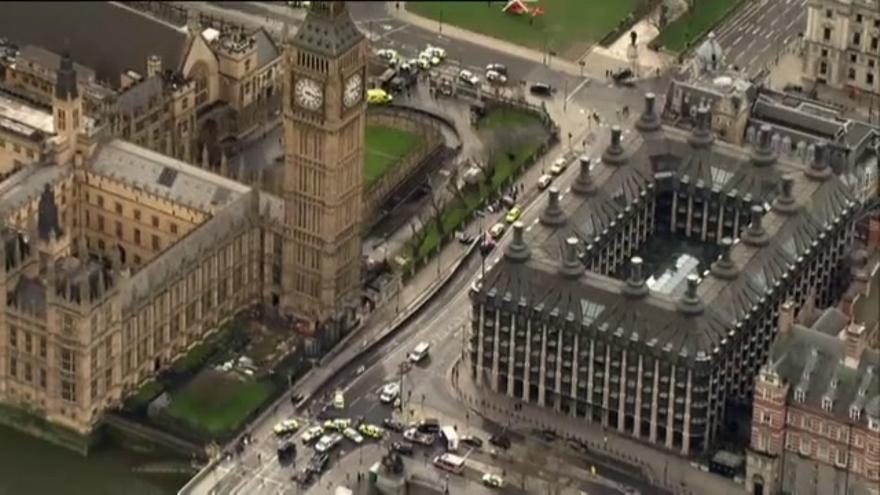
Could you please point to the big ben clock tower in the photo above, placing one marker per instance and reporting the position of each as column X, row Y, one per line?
column 324, row 118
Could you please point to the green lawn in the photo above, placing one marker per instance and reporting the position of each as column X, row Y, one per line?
column 385, row 147
column 506, row 164
column 567, row 27
column 678, row 35
column 214, row 404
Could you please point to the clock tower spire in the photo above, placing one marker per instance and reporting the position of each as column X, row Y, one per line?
column 324, row 119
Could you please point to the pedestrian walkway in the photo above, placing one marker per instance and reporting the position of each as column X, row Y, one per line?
column 595, row 63
column 662, row 468
column 350, row 472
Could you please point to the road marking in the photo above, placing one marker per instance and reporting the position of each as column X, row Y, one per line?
column 576, row 89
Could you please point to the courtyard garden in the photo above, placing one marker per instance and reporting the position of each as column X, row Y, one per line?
column 700, row 18
column 513, row 139
column 385, row 147
column 567, row 27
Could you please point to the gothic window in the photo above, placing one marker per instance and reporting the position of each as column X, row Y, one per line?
column 68, row 390
column 68, row 361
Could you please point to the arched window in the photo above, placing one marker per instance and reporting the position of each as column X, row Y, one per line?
column 199, row 74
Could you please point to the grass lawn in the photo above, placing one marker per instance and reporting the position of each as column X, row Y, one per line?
column 215, row 403
column 385, row 147
column 567, row 27
column 693, row 24
column 458, row 210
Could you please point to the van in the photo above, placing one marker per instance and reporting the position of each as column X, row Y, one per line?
column 450, row 462
column 420, row 352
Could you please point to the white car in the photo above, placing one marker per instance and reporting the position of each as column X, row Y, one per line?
column 389, row 392
column 386, row 54
column 286, row 427
column 496, row 77
column 436, row 51
column 424, row 63
column 493, row 480
column 353, row 435
column 468, row 77
column 544, row 181
column 312, row 434
column 430, row 57
column 327, row 442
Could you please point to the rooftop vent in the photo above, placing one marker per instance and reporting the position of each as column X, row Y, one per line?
column 553, row 214
column 571, row 265
column 785, row 202
column 690, row 303
column 702, row 136
column 762, row 153
column 755, row 235
column 649, row 120
column 584, row 184
column 614, row 154
column 819, row 169
column 517, row 250
column 635, row 283
column 724, row 267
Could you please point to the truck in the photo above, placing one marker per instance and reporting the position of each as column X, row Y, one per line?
column 451, row 436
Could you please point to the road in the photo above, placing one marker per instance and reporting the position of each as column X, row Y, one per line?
column 442, row 321
column 754, row 36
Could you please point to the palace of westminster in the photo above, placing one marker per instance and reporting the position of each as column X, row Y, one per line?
column 116, row 255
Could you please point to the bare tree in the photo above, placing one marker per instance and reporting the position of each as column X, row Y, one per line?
column 437, row 207
column 452, row 185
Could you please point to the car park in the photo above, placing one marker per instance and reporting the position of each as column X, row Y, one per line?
column 499, row 68
column 312, row 434
column 497, row 230
column 286, row 427
column 496, row 77
column 393, row 424
column 558, row 166
column 472, row 440
column 544, row 181
column 493, row 480
column 353, row 435
column 328, row 442
column 403, row 447
column 468, row 77
column 389, row 392
column 513, row 215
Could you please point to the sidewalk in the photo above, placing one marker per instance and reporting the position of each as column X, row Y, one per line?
column 596, row 62
column 344, row 472
column 664, row 469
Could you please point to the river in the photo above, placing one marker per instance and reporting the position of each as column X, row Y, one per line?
column 31, row 466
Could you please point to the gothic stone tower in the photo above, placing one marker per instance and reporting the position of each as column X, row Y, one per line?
column 324, row 118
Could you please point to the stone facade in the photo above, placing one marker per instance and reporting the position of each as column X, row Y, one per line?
column 842, row 44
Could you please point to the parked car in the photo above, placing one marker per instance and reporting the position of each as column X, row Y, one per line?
column 389, row 392
column 493, row 480
column 312, row 434
column 338, row 424
column 472, row 440
column 541, row 89
column 436, row 51
column 513, row 215
column 286, row 427
column 328, row 442
column 371, row 431
column 496, row 77
column 558, row 166
column 403, row 447
column 544, row 181
column 393, row 424
column 468, row 77
column 353, row 435
column 413, row 435
column 496, row 230
column 501, row 441
column 499, row 68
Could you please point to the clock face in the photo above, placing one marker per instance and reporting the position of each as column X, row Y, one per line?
column 353, row 90
column 308, row 94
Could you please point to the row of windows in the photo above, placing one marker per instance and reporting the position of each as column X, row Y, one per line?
column 24, row 371
column 135, row 213
column 16, row 148
column 22, row 340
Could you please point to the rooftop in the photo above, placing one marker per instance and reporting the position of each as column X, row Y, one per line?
column 165, row 176
column 26, row 115
column 124, row 39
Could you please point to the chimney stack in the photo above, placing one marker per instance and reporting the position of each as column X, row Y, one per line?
column 635, row 283
column 553, row 215
column 755, row 235
column 785, row 202
column 583, row 185
column 517, row 250
column 819, row 169
column 702, row 136
column 614, row 154
column 855, row 344
column 154, row 65
column 571, row 265
column 691, row 303
column 724, row 267
column 762, row 153
column 785, row 320
column 649, row 121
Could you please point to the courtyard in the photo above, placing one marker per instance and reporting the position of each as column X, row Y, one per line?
column 567, row 27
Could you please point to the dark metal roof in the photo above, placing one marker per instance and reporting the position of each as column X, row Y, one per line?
column 327, row 30
column 107, row 37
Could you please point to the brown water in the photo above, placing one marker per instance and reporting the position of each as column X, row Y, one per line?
column 31, row 466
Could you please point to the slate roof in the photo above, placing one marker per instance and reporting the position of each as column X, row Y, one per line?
column 117, row 38
column 821, row 355
column 653, row 161
column 52, row 61
column 165, row 176
column 267, row 51
column 327, row 33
